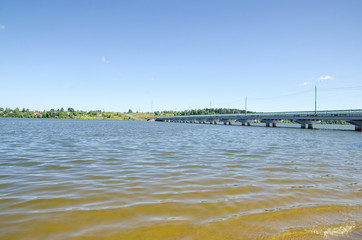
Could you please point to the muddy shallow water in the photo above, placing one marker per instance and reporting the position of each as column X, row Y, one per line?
column 92, row 179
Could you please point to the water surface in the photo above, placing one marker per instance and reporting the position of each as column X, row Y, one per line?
column 89, row 179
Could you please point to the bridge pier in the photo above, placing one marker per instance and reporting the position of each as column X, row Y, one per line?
column 269, row 123
column 244, row 122
column 228, row 122
column 305, row 123
column 213, row 120
column 357, row 125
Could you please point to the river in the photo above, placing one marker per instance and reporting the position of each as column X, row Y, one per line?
column 95, row 179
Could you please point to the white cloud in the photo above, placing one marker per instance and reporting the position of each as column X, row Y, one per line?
column 2, row 26
column 325, row 78
column 103, row 59
column 305, row 84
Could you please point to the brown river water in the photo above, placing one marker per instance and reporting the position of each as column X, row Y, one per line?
column 93, row 179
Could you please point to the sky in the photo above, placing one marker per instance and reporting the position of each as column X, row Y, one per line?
column 156, row 55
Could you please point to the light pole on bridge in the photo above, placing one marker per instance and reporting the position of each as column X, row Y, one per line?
column 315, row 99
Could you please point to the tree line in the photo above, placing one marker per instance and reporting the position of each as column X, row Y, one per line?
column 204, row 111
column 52, row 113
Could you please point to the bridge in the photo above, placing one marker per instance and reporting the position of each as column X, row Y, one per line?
column 305, row 118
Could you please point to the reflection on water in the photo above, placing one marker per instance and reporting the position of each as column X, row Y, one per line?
column 83, row 179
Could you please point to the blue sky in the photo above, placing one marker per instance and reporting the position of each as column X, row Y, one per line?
column 176, row 55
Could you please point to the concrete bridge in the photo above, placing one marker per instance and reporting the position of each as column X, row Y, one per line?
column 305, row 118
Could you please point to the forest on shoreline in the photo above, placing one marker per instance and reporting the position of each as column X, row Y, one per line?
column 71, row 113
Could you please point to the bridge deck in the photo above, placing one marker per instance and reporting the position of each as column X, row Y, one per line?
column 303, row 117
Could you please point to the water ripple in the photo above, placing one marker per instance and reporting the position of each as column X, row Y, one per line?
column 149, row 180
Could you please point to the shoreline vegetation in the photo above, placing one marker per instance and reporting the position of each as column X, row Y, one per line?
column 70, row 113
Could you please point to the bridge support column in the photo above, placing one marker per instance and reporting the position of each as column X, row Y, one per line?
column 303, row 123
column 357, row 125
column 244, row 122
column 213, row 121
column 268, row 122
